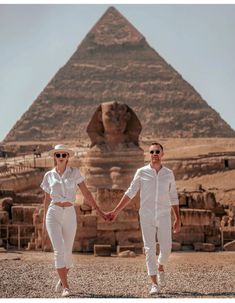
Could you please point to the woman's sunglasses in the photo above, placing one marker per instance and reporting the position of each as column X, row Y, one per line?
column 58, row 155
column 156, row 152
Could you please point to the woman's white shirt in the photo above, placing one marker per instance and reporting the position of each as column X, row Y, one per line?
column 62, row 188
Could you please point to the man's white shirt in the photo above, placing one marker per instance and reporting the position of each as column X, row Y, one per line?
column 157, row 191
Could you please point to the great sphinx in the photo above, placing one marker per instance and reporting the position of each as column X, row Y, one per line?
column 114, row 126
column 111, row 162
column 114, row 153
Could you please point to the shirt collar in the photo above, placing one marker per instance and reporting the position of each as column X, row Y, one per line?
column 162, row 168
column 65, row 172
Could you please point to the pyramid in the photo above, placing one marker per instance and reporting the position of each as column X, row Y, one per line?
column 115, row 63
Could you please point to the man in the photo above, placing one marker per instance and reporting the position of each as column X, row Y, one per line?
column 157, row 196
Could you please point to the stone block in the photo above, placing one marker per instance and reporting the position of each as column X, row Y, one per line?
column 176, row 246
column 183, row 200
column 219, row 210
column 121, row 248
column 138, row 248
column 210, row 201
column 6, row 204
column 187, row 247
column 23, row 214
column 210, row 231
column 128, row 237
column 78, row 246
column 28, row 212
column 102, row 250
column 189, row 235
column 126, row 215
column 230, row 246
column 208, row 247
column 216, row 240
column 127, row 254
column 85, row 232
column 88, row 220
column 198, row 187
column 17, row 214
column 198, row 246
column 118, row 226
column 196, row 217
column 196, row 200
column 84, row 245
column 107, row 199
column 106, row 237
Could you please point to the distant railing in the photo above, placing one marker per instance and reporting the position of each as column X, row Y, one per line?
column 29, row 162
column 8, row 170
column 15, row 165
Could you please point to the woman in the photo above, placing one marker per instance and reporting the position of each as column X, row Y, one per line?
column 60, row 186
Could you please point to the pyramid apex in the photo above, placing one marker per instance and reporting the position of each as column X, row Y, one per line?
column 113, row 28
column 112, row 8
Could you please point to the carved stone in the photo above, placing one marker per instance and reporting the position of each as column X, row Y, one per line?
column 113, row 126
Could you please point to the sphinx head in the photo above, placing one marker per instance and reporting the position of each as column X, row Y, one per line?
column 114, row 117
column 114, row 123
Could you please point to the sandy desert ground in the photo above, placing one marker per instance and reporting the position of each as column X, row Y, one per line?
column 189, row 275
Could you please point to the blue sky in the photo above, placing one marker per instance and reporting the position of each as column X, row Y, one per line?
column 36, row 40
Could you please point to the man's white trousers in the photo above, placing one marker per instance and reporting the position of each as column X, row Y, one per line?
column 162, row 227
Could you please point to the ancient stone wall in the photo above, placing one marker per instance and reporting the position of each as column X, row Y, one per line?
column 201, row 216
column 22, row 181
column 186, row 168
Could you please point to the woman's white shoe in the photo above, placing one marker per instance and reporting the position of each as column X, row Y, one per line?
column 66, row 292
column 58, row 286
column 154, row 289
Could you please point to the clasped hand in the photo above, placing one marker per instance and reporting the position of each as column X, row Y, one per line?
column 108, row 216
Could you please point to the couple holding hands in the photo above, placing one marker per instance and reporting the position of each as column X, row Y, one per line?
column 158, row 196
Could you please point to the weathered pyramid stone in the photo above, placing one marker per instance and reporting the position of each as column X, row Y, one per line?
column 115, row 63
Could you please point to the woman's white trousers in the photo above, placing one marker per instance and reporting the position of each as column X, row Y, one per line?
column 61, row 224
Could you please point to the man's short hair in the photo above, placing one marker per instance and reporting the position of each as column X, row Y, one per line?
column 156, row 143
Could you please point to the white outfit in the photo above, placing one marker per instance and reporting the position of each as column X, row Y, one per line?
column 62, row 188
column 61, row 222
column 157, row 195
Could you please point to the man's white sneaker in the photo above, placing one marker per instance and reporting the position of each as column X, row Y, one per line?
column 154, row 289
column 58, row 286
column 161, row 278
column 66, row 292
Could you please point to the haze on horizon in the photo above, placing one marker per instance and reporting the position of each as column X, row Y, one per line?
column 37, row 40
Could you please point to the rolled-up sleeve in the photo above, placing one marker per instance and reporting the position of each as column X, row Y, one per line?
column 79, row 177
column 173, row 192
column 134, row 186
column 45, row 184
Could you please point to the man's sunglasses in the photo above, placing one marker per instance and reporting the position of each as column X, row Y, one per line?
column 156, row 152
column 61, row 155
